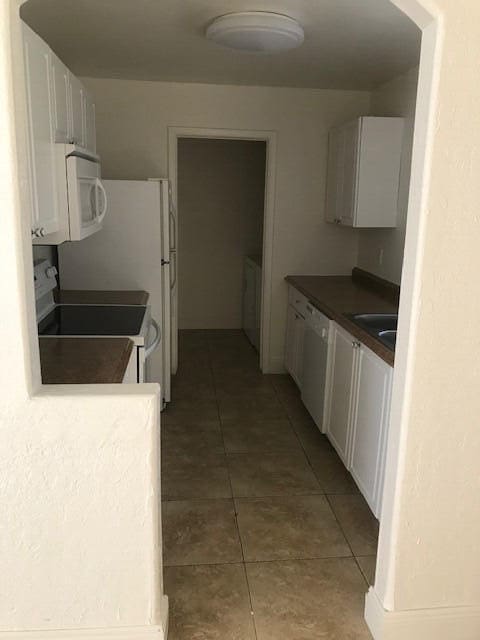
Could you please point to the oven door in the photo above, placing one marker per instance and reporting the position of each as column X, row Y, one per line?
column 87, row 200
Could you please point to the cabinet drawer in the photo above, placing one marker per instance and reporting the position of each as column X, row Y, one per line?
column 297, row 300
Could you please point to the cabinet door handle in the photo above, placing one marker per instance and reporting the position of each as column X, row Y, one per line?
column 356, row 345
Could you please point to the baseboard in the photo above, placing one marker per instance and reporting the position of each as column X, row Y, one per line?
column 164, row 617
column 150, row 632
column 275, row 365
column 447, row 623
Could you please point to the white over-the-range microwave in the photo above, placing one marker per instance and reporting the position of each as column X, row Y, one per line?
column 82, row 201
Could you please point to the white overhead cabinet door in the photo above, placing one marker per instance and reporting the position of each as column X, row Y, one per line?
column 363, row 172
column 90, row 135
column 59, row 111
column 61, row 99
column 77, row 107
column 73, row 108
column 42, row 159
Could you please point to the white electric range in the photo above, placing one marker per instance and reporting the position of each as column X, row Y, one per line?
column 93, row 320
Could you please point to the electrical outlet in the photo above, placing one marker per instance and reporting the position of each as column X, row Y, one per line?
column 380, row 256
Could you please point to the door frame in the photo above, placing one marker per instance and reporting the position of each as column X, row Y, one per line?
column 270, row 138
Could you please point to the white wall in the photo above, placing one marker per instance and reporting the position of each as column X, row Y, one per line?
column 80, row 499
column 133, row 119
column 427, row 584
column 395, row 98
column 79, row 485
column 221, row 191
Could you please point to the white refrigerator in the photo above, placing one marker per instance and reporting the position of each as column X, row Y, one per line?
column 136, row 249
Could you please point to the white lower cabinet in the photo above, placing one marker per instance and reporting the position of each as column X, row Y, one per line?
column 341, row 389
column 357, row 386
column 294, row 344
column 359, row 408
column 371, row 410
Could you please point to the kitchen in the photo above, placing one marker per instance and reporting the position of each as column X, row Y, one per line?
column 339, row 245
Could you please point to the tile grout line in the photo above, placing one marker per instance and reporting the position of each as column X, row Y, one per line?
column 298, row 438
column 276, row 561
column 347, row 540
column 212, row 347
column 325, row 494
column 252, row 614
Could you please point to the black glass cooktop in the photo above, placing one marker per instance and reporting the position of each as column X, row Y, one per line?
column 88, row 320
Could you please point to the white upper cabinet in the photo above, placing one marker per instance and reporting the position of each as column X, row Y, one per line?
column 89, row 131
column 60, row 99
column 73, row 108
column 364, row 160
column 42, row 158
column 77, row 111
column 60, row 111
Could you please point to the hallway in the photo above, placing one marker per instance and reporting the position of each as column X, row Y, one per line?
column 265, row 533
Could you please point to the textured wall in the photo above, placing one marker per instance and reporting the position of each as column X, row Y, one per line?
column 80, row 497
column 79, row 466
column 221, row 189
column 429, row 554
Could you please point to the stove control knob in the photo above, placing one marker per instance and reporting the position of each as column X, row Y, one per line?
column 51, row 272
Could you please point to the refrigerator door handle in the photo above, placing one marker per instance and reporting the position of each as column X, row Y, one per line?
column 173, row 231
column 173, row 271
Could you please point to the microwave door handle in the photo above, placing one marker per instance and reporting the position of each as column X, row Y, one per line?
column 99, row 187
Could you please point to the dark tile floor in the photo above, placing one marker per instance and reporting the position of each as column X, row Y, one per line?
column 265, row 533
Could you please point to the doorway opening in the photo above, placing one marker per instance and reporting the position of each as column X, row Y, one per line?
column 222, row 186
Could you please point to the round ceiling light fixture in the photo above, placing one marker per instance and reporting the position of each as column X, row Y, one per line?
column 256, row 31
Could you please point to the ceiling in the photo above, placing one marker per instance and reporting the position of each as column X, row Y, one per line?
column 349, row 44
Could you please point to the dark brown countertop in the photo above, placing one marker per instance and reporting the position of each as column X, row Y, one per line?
column 71, row 296
column 84, row 360
column 336, row 296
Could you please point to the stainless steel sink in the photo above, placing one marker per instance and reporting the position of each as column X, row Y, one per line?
column 379, row 325
column 377, row 321
column 389, row 338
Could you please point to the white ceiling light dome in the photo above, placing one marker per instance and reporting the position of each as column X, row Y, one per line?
column 256, row 31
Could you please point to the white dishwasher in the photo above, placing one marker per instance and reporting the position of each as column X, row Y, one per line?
column 315, row 363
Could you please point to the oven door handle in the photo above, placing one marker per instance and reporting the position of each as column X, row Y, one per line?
column 156, row 341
